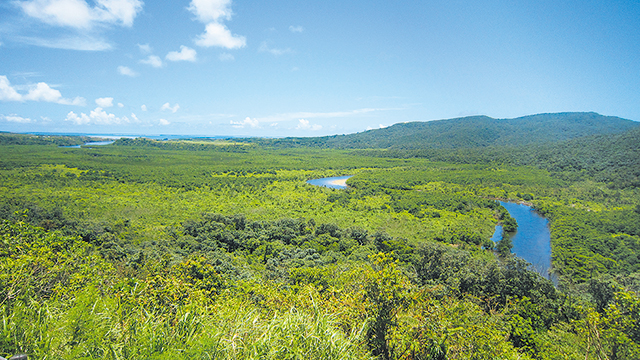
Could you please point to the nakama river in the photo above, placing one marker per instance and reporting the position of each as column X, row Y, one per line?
column 331, row 182
column 531, row 242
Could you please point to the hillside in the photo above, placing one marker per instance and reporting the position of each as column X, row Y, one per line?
column 471, row 132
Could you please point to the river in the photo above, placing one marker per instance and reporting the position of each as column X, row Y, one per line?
column 338, row 182
column 91, row 143
column 532, row 240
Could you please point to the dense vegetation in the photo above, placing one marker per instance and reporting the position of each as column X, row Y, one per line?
column 220, row 249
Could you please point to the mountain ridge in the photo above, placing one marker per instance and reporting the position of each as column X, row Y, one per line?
column 472, row 132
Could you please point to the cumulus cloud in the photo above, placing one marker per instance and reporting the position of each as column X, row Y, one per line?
column 152, row 60
column 123, row 70
column 296, row 29
column 211, row 10
column 38, row 92
column 306, row 125
column 120, row 105
column 173, row 109
column 105, row 102
column 80, row 15
column 216, row 34
column 264, row 47
column 78, row 119
column 143, row 107
column 213, row 13
column 185, row 54
column 164, row 122
column 16, row 119
column 7, row 92
column 97, row 116
column 226, row 57
column 134, row 117
column 43, row 92
column 254, row 123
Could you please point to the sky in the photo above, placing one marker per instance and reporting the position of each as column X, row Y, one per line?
column 308, row 68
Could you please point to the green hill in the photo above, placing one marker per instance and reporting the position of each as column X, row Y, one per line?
column 472, row 132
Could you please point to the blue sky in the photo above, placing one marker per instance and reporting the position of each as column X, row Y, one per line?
column 308, row 68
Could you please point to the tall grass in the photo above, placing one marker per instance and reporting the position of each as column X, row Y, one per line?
column 95, row 326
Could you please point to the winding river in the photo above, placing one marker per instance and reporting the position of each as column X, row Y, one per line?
column 531, row 242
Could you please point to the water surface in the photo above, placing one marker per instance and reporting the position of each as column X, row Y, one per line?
column 532, row 240
column 331, row 182
column 90, row 143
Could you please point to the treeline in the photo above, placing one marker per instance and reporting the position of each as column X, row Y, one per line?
column 199, row 145
column 59, row 140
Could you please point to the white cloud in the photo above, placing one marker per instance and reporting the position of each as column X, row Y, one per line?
column 39, row 92
column 296, row 29
column 78, row 120
column 164, row 122
column 43, row 92
column 134, row 117
column 306, row 125
column 173, row 109
column 17, row 119
column 216, row 34
column 143, row 107
column 254, row 123
column 144, row 48
column 97, row 116
column 185, row 54
column 152, row 60
column 80, row 15
column 211, row 10
column 7, row 92
column 120, row 105
column 101, row 117
column 123, row 70
column 105, row 102
column 264, row 47
column 226, row 57
column 213, row 13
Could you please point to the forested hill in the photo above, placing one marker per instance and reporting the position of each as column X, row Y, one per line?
column 472, row 132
